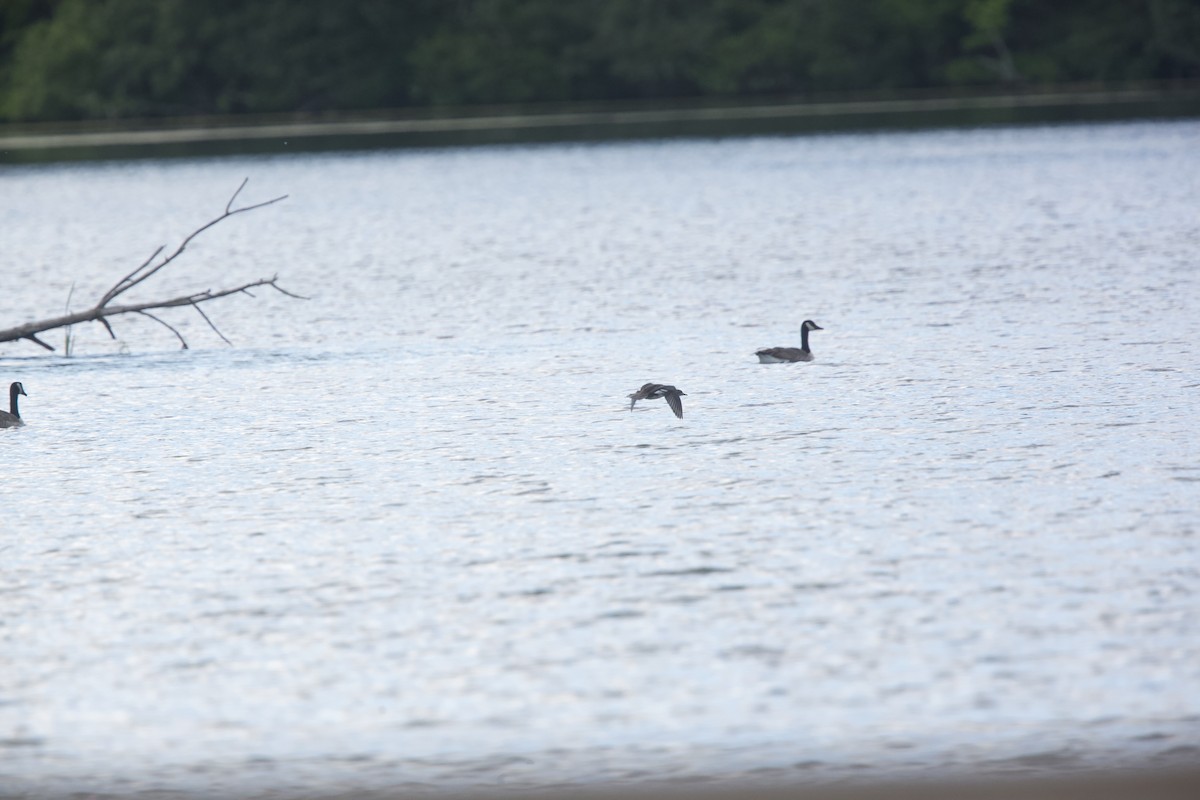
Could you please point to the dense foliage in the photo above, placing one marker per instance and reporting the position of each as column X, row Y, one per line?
column 104, row 59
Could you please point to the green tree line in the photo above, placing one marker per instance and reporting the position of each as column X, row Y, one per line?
column 114, row 59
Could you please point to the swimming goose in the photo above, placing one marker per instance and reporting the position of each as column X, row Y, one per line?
column 12, row 418
column 653, row 391
column 778, row 355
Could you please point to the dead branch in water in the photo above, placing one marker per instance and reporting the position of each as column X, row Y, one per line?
column 148, row 268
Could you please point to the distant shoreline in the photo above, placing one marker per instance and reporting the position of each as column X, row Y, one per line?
column 425, row 128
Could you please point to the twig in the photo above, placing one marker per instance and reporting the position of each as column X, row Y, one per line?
column 160, row 322
column 200, row 311
column 36, row 340
column 145, row 271
column 280, row 289
column 117, row 289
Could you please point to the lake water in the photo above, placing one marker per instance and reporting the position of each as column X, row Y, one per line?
column 408, row 533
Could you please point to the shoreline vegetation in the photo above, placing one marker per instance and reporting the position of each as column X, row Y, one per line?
column 133, row 78
column 562, row 122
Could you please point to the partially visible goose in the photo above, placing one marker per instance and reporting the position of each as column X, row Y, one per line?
column 12, row 417
column 653, row 391
column 778, row 355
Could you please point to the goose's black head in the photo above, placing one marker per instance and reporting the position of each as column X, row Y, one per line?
column 17, row 388
column 809, row 325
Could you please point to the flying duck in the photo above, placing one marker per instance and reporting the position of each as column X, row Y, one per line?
column 653, row 391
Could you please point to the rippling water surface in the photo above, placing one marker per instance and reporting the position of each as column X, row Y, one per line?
column 408, row 532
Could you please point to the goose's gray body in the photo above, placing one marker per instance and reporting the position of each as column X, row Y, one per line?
column 780, row 355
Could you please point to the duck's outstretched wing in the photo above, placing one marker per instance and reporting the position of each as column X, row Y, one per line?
column 676, row 404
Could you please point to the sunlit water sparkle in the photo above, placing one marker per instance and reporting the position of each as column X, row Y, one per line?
column 408, row 533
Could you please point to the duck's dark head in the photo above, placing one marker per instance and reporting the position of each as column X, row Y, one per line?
column 809, row 325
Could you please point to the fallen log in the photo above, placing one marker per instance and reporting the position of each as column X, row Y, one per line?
column 104, row 309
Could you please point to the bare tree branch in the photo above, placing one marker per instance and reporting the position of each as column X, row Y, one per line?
column 36, row 340
column 200, row 311
column 98, row 314
column 279, row 288
column 146, row 271
column 128, row 279
column 102, row 311
column 236, row 193
column 182, row 341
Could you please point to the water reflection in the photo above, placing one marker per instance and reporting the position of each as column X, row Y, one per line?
column 409, row 533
